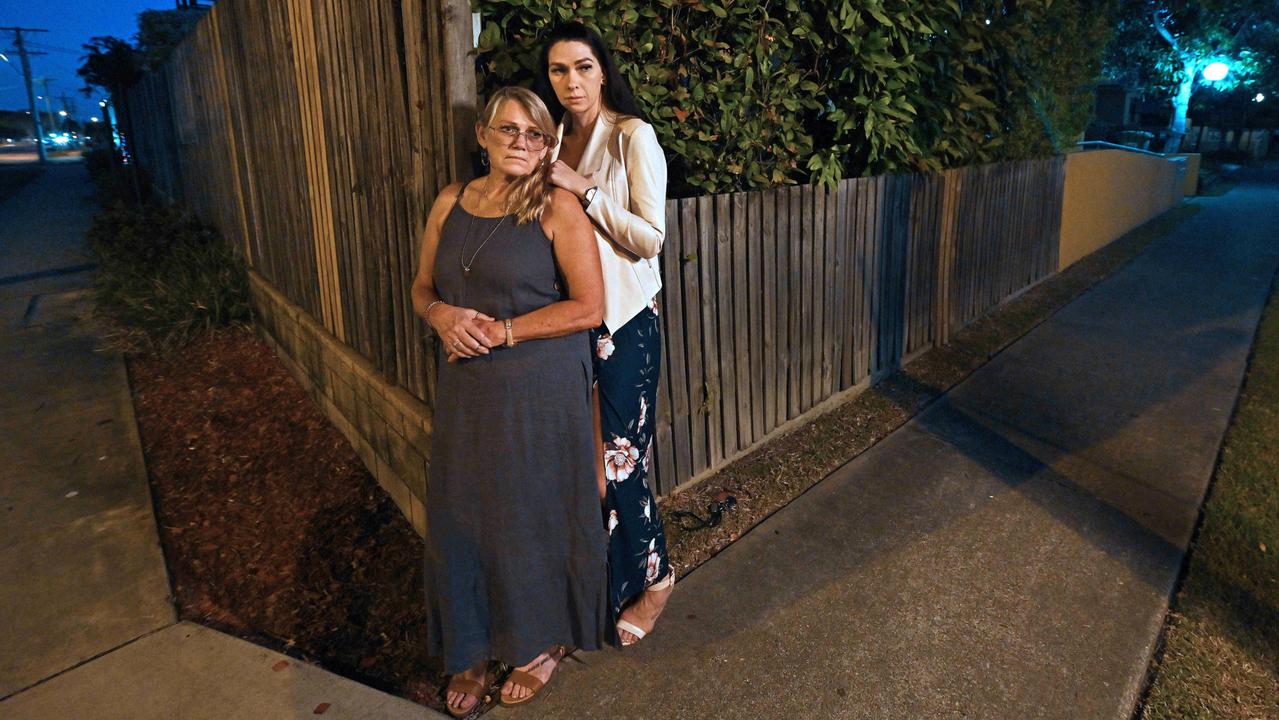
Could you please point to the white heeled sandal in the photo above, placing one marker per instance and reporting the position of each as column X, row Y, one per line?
column 638, row 632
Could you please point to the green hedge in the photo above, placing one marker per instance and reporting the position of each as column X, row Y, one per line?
column 758, row 93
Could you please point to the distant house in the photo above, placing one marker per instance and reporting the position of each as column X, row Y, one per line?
column 1115, row 104
column 1122, row 115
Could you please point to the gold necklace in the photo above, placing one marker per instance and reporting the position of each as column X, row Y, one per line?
column 466, row 239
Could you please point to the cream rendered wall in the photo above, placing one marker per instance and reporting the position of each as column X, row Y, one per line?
column 1109, row 192
column 1191, row 181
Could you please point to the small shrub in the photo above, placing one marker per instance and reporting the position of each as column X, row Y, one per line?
column 115, row 181
column 99, row 159
column 164, row 277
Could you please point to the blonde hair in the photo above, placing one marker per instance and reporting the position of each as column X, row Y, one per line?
column 532, row 193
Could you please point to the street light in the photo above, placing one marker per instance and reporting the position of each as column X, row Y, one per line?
column 62, row 113
column 1259, row 97
column 1216, row 71
column 94, row 119
column 10, row 63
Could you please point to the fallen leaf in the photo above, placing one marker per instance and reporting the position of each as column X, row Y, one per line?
column 280, row 665
column 1262, row 546
column 321, row 708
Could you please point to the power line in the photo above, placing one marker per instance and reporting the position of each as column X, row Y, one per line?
column 55, row 48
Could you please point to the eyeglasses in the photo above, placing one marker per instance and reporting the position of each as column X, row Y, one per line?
column 536, row 138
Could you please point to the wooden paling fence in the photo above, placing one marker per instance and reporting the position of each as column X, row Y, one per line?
column 315, row 134
column 777, row 300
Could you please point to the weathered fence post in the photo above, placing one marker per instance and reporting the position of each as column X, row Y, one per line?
column 459, row 83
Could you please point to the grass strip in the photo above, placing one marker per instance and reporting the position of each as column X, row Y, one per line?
column 1221, row 650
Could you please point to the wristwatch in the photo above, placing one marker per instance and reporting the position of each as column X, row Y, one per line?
column 588, row 196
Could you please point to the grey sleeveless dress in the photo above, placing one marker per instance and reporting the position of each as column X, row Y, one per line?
column 515, row 539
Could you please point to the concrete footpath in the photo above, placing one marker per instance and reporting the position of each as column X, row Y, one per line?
column 1010, row 552
column 87, row 627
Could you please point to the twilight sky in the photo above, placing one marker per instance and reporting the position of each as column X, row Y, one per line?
column 70, row 24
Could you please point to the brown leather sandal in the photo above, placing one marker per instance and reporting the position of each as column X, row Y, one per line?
column 529, row 681
column 466, row 686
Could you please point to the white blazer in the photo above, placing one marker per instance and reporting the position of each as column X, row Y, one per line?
column 628, row 211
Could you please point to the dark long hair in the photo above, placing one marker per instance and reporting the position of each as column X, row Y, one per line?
column 616, row 93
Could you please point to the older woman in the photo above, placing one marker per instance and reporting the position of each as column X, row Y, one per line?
column 509, row 279
column 608, row 157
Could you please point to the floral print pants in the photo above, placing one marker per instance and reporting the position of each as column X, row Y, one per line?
column 627, row 364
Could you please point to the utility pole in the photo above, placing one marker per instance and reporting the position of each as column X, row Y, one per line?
column 54, row 122
column 26, row 76
column 69, row 105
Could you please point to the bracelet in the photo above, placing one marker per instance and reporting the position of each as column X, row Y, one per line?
column 427, row 315
column 589, row 196
column 510, row 337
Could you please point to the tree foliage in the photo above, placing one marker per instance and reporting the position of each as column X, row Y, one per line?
column 757, row 93
column 1163, row 46
column 111, row 64
column 1152, row 37
column 160, row 31
column 114, row 64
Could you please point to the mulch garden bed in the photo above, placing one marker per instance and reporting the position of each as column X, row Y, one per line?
column 272, row 529
column 275, row 532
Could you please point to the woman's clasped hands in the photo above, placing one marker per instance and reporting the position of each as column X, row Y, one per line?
column 466, row 332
